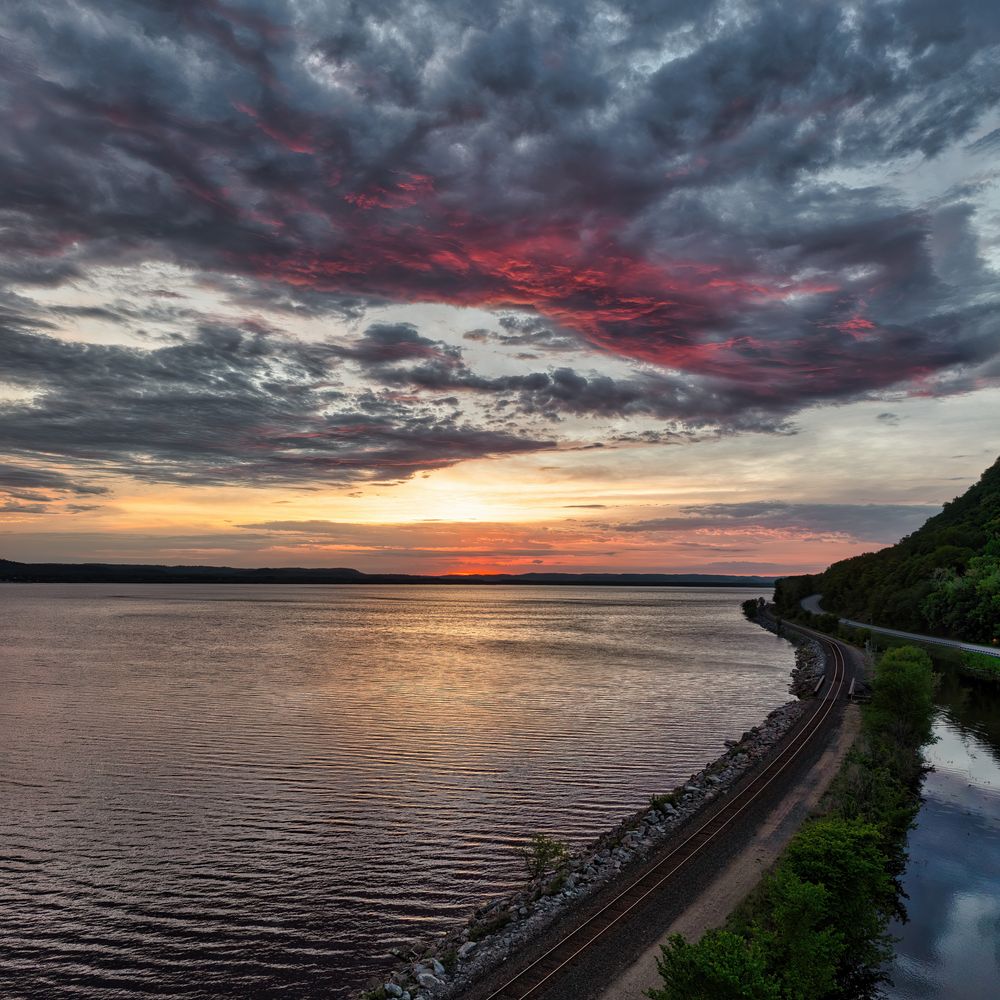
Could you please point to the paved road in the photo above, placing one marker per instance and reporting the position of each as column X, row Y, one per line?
column 592, row 947
column 812, row 604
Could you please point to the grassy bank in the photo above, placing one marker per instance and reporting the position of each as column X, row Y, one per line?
column 979, row 665
column 816, row 926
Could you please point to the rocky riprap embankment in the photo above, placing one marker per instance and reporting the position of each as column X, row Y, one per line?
column 809, row 667
column 452, row 963
column 810, row 662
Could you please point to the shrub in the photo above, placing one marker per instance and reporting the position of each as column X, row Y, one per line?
column 667, row 799
column 721, row 966
column 901, row 710
column 542, row 854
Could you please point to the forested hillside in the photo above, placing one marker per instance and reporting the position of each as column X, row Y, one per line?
column 944, row 579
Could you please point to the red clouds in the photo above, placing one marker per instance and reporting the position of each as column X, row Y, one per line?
column 293, row 143
column 672, row 313
column 684, row 213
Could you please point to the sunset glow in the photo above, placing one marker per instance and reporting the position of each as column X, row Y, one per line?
column 401, row 291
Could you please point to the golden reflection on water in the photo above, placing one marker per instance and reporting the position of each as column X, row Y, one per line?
column 265, row 788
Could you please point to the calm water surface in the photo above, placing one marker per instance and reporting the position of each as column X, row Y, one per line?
column 950, row 948
column 259, row 790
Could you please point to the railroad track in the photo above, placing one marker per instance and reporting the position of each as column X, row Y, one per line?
column 533, row 980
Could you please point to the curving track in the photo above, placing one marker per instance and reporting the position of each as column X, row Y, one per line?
column 536, row 979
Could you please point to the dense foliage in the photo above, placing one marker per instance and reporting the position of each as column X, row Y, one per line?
column 944, row 579
column 816, row 927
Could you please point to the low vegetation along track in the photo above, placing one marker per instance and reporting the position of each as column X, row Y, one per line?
column 543, row 974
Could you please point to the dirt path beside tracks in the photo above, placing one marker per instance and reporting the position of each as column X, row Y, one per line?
column 605, row 948
column 719, row 897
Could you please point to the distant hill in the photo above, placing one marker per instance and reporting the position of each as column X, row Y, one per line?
column 944, row 579
column 15, row 572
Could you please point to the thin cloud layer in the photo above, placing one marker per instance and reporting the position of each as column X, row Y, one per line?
column 29, row 489
column 880, row 523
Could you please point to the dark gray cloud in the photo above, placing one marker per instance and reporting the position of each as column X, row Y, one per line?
column 30, row 489
column 29, row 478
column 707, row 189
column 885, row 523
column 527, row 331
column 694, row 403
column 225, row 406
column 16, row 507
column 389, row 343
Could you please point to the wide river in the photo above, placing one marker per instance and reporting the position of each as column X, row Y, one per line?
column 257, row 791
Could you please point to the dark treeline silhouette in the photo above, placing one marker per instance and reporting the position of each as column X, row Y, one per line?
column 16, row 572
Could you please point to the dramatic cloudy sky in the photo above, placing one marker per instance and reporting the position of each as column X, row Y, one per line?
column 464, row 285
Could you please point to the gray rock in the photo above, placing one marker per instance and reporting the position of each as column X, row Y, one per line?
column 430, row 982
column 439, row 969
column 393, row 990
column 467, row 949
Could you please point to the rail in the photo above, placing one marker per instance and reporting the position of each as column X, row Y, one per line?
column 534, row 977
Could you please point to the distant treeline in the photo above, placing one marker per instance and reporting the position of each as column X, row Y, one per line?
column 817, row 926
column 15, row 572
column 944, row 579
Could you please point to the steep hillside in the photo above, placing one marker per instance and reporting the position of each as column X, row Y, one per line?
column 944, row 579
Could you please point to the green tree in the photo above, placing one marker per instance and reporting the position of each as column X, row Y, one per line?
column 901, row 710
column 803, row 949
column 847, row 858
column 721, row 966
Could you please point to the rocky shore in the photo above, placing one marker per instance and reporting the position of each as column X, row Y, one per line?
column 449, row 965
column 809, row 660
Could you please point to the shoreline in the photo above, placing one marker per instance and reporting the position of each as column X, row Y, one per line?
column 737, row 878
column 460, row 958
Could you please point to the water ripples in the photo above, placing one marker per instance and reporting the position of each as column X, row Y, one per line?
column 259, row 790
